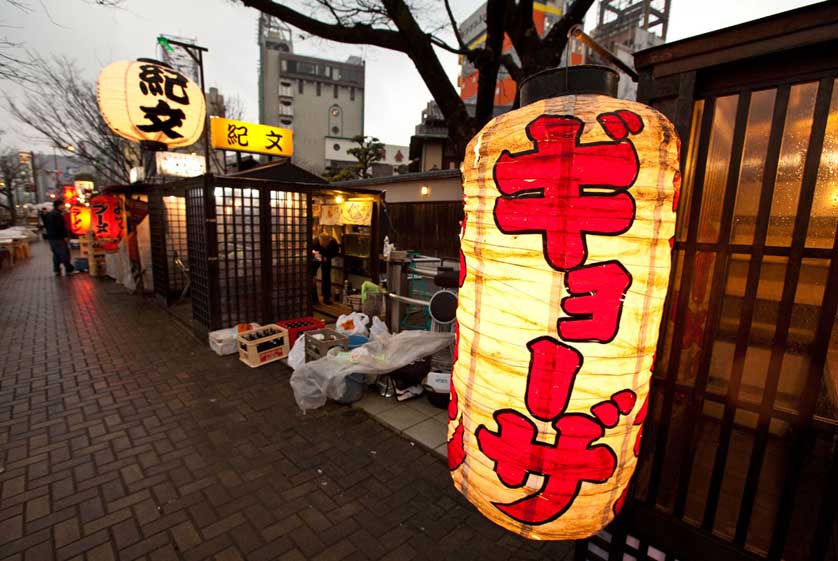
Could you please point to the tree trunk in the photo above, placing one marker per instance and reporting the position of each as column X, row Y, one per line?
column 489, row 61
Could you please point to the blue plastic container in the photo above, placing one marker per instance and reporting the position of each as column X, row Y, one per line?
column 81, row 264
column 356, row 341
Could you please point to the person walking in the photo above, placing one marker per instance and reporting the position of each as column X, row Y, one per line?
column 324, row 248
column 58, row 238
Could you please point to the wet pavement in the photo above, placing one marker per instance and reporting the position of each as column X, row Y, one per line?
column 124, row 437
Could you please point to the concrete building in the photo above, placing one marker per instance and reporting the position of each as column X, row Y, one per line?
column 625, row 27
column 321, row 100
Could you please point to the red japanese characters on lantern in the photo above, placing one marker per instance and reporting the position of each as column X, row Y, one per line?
column 565, row 263
column 80, row 220
column 106, row 217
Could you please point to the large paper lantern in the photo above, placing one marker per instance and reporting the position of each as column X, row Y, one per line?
column 564, row 269
column 147, row 101
column 106, row 217
column 80, row 220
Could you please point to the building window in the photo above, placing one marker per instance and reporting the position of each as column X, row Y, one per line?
column 336, row 91
column 336, row 147
column 318, row 89
column 300, row 85
column 352, row 94
column 352, row 75
column 306, row 68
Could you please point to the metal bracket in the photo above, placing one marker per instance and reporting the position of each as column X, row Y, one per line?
column 576, row 32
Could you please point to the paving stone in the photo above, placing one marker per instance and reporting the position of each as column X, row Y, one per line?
column 123, row 437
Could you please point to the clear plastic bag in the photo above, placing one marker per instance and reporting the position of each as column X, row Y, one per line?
column 378, row 329
column 297, row 356
column 315, row 382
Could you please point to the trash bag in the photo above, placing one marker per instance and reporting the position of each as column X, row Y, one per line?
column 297, row 356
column 353, row 324
column 378, row 328
column 316, row 381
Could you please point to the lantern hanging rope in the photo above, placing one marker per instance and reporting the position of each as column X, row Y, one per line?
column 565, row 263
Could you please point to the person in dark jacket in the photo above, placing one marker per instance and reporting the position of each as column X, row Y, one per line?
column 58, row 238
column 325, row 248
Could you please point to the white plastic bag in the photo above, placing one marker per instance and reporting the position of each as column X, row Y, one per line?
column 353, row 324
column 223, row 341
column 378, row 328
column 297, row 356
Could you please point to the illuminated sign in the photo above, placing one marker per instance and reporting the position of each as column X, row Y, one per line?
column 84, row 189
column 241, row 136
column 180, row 165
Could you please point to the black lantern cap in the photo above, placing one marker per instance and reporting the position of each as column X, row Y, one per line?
column 582, row 79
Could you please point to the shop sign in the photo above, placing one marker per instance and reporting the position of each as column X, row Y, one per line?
column 177, row 164
column 241, row 136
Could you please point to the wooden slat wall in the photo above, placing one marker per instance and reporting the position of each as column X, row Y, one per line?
column 430, row 228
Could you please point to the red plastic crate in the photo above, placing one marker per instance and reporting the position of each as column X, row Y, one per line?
column 300, row 325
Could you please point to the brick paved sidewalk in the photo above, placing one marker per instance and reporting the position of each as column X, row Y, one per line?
column 122, row 437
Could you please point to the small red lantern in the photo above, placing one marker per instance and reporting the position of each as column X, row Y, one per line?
column 70, row 195
column 106, row 217
column 79, row 220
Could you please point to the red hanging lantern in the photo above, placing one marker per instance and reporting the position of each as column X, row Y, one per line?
column 565, row 260
column 70, row 195
column 80, row 218
column 107, row 223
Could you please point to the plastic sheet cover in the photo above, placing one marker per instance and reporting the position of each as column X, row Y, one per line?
column 319, row 380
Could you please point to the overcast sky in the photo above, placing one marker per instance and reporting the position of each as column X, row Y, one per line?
column 395, row 95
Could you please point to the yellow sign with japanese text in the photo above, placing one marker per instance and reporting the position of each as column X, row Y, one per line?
column 242, row 136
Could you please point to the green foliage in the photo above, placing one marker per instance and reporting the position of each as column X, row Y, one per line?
column 368, row 151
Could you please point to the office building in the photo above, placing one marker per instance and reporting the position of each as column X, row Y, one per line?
column 321, row 100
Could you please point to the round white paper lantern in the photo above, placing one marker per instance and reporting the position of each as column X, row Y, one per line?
column 147, row 101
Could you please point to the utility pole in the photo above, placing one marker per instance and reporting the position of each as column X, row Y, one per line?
column 197, row 54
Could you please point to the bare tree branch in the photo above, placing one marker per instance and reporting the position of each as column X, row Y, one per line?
column 358, row 33
column 64, row 110
column 454, row 26
column 443, row 45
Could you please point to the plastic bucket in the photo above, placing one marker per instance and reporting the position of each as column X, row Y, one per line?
column 356, row 341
